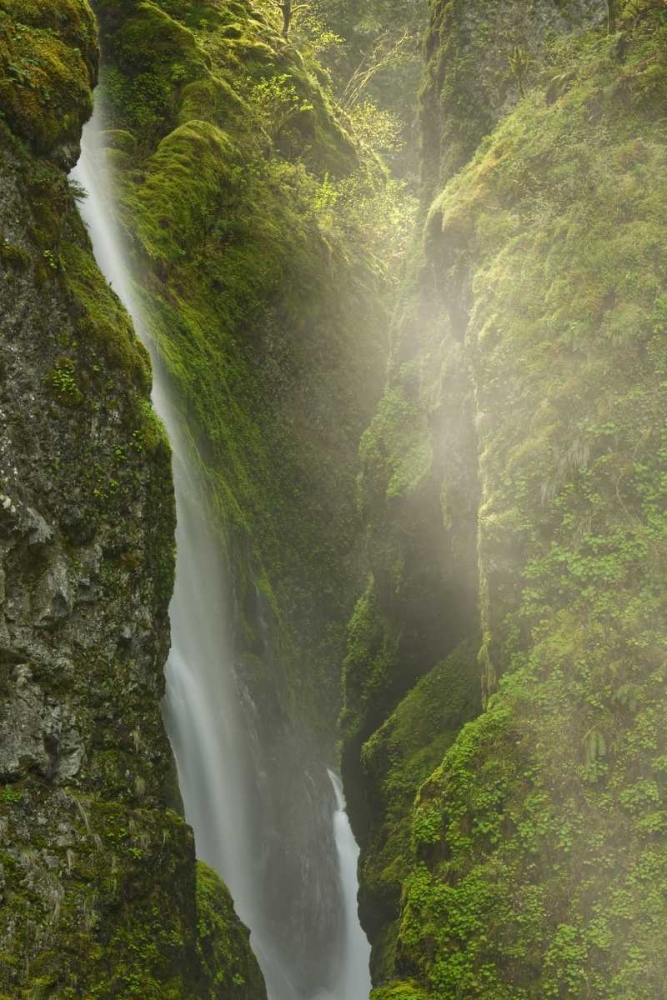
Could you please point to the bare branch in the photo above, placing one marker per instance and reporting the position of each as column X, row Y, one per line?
column 361, row 77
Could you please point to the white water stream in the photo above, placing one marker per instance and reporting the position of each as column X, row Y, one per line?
column 355, row 980
column 206, row 709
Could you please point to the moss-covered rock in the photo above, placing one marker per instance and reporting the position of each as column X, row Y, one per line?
column 224, row 942
column 399, row 756
column 539, row 843
column 481, row 56
column 97, row 875
column 48, row 64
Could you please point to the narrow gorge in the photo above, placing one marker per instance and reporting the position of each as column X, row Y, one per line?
column 333, row 499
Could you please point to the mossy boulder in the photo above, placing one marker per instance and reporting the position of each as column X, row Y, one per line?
column 48, row 65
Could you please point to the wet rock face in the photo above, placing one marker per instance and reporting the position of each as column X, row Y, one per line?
column 38, row 734
column 82, row 608
column 97, row 875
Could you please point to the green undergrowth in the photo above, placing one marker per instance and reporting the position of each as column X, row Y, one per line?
column 541, row 857
column 399, row 756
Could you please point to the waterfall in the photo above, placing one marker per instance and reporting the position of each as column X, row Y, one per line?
column 227, row 786
column 355, row 981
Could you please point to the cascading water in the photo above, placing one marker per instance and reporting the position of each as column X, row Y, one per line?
column 355, row 978
column 227, row 785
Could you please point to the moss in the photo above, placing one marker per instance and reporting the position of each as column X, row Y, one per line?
column 224, row 941
column 540, row 851
column 63, row 383
column 13, row 257
column 396, row 448
column 174, row 62
column 399, row 756
column 400, row 991
column 162, row 57
column 101, row 315
column 371, row 655
column 48, row 59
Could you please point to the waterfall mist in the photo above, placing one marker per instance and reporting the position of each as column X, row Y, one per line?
column 266, row 818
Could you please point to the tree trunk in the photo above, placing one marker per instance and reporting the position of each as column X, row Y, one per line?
column 286, row 8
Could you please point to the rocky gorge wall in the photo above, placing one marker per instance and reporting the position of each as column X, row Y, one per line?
column 531, row 343
column 100, row 895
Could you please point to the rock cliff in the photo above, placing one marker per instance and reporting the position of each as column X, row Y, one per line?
column 528, row 365
column 100, row 895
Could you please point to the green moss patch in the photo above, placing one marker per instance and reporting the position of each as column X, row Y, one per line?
column 48, row 60
column 541, row 838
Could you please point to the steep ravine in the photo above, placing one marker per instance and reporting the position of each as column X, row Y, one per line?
column 503, row 698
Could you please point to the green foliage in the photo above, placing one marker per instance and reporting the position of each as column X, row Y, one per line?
column 396, row 448
column 378, row 129
column 62, row 381
column 10, row 794
column 372, row 52
column 275, row 101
